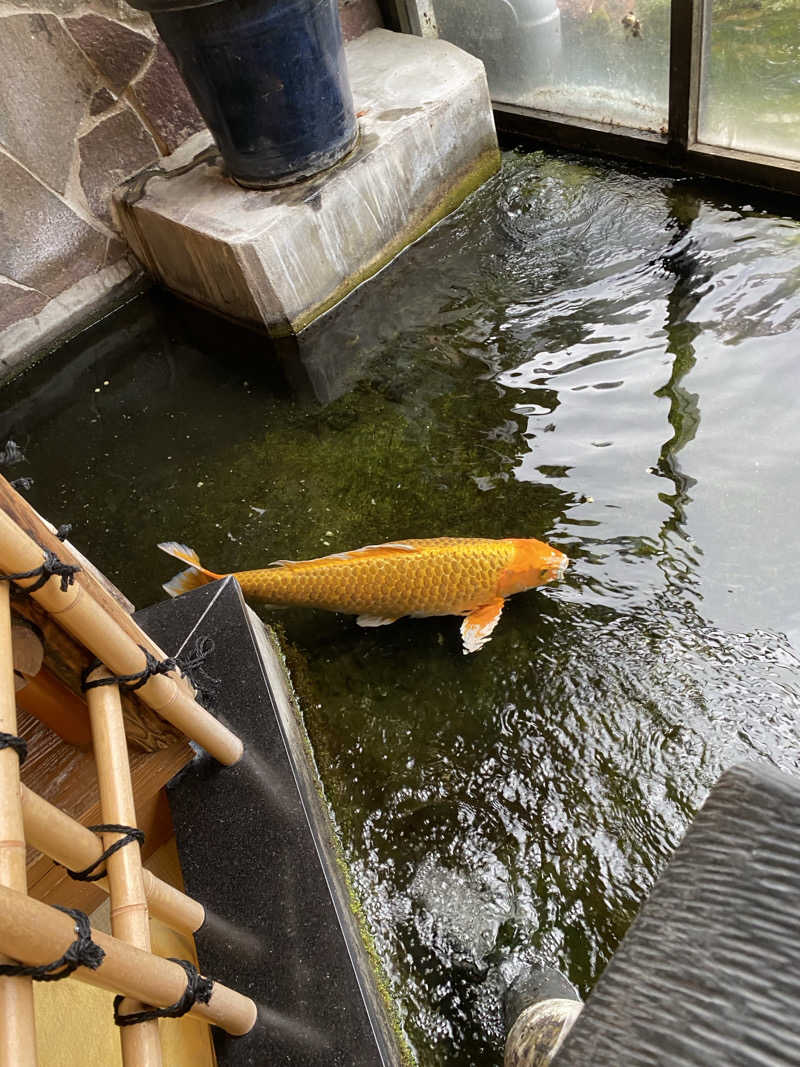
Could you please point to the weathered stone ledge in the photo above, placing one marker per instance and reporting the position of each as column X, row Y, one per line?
column 68, row 313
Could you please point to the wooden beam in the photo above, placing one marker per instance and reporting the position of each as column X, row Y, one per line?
column 66, row 777
column 67, row 659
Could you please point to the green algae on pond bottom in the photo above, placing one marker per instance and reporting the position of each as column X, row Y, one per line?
column 580, row 353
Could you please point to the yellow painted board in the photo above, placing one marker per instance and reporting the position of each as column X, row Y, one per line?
column 75, row 1021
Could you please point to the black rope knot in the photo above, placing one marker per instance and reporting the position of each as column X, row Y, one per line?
column 130, row 833
column 53, row 565
column 50, row 565
column 159, row 666
column 192, row 661
column 197, row 988
column 191, row 667
column 83, row 952
column 131, row 682
column 19, row 744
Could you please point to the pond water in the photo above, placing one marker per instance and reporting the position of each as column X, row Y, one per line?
column 602, row 359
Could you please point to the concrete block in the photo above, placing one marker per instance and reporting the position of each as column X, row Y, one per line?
column 279, row 258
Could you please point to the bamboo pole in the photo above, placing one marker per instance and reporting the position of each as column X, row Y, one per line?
column 17, row 1026
column 35, row 933
column 141, row 1046
column 78, row 613
column 96, row 584
column 73, row 845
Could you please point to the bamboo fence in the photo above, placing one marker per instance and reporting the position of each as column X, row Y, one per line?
column 33, row 934
column 77, row 611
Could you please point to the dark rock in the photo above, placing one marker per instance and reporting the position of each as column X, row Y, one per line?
column 43, row 243
column 707, row 975
column 46, row 96
column 164, row 101
column 540, row 981
column 101, row 101
column 116, row 250
column 116, row 149
column 117, row 51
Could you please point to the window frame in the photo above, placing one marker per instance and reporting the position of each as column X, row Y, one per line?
column 678, row 151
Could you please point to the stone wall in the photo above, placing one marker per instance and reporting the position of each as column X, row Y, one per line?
column 89, row 96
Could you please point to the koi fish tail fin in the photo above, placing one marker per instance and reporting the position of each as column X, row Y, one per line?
column 196, row 574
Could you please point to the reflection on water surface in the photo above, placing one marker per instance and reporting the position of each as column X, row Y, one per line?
column 600, row 359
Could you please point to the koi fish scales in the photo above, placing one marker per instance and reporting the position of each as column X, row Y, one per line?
column 442, row 576
column 468, row 576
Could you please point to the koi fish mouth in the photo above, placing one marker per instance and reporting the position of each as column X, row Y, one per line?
column 558, row 567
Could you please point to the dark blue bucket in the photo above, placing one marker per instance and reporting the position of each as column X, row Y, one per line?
column 269, row 77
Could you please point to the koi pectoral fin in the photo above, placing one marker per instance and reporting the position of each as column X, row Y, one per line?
column 374, row 620
column 476, row 629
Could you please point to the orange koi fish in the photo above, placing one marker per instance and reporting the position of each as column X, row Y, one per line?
column 469, row 576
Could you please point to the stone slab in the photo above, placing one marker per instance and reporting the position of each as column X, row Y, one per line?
column 280, row 258
column 709, row 973
column 255, row 845
column 45, row 87
column 162, row 97
column 44, row 244
column 113, row 150
column 117, row 51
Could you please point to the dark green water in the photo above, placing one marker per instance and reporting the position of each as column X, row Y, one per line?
column 603, row 360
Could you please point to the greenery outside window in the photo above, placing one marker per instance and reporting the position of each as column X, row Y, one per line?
column 705, row 86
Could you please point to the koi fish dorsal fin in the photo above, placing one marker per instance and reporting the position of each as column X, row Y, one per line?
column 390, row 549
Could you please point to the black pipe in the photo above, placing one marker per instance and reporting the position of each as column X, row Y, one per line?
column 269, row 78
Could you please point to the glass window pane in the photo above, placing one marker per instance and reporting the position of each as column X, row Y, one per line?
column 750, row 96
column 602, row 60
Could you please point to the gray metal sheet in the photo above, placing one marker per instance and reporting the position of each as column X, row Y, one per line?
column 709, row 972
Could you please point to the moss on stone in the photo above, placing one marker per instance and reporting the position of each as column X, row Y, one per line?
column 302, row 694
column 443, row 202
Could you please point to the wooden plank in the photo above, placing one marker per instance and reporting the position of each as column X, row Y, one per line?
column 48, row 700
column 66, row 776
